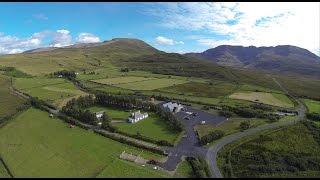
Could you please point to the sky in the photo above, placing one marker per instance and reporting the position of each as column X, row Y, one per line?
column 172, row 27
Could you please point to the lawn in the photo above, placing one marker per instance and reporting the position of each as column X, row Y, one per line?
column 152, row 84
column 273, row 99
column 184, row 170
column 34, row 145
column 8, row 101
column 53, row 90
column 251, row 154
column 113, row 113
column 151, row 127
column 313, row 106
column 121, row 80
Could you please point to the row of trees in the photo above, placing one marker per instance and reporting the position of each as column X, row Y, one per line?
column 254, row 111
column 199, row 166
column 74, row 108
column 313, row 116
column 130, row 102
column 68, row 74
column 217, row 134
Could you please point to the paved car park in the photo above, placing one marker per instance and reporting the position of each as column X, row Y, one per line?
column 189, row 145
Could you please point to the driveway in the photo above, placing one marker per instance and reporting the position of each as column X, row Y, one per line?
column 212, row 153
column 189, row 145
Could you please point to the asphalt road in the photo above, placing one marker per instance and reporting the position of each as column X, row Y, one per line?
column 190, row 144
column 212, row 152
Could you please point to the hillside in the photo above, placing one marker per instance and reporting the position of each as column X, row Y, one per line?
column 138, row 55
column 284, row 59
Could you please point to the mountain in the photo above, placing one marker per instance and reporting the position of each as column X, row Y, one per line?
column 285, row 59
column 138, row 55
column 123, row 42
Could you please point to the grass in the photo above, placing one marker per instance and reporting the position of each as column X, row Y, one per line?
column 151, row 84
column 3, row 171
column 113, row 113
column 121, row 80
column 313, row 106
column 231, row 126
column 151, row 127
column 34, row 145
column 119, row 166
column 294, row 138
column 250, row 87
column 184, row 170
column 202, row 89
column 273, row 99
column 8, row 101
column 55, row 91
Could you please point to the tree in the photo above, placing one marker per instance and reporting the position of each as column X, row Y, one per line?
column 105, row 121
column 244, row 125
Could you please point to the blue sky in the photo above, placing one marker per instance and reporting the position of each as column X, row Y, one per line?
column 171, row 27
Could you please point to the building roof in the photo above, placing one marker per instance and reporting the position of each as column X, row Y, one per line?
column 171, row 105
column 99, row 113
column 137, row 115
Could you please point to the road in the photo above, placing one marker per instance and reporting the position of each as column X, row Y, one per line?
column 190, row 144
column 212, row 153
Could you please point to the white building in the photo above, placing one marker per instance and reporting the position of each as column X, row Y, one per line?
column 137, row 116
column 173, row 107
column 99, row 114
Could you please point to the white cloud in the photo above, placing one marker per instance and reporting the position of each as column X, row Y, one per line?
column 87, row 38
column 241, row 23
column 40, row 16
column 165, row 41
column 59, row 38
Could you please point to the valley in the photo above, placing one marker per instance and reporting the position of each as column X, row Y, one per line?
column 56, row 132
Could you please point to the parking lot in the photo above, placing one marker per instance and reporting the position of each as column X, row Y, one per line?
column 190, row 145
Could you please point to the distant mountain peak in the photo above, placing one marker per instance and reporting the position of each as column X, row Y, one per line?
column 279, row 58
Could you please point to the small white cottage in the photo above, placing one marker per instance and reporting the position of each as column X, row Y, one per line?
column 137, row 116
column 99, row 114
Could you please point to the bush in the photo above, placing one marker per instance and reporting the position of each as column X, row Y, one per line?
column 244, row 125
column 217, row 134
column 313, row 116
column 225, row 113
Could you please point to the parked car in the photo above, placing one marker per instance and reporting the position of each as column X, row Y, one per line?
column 203, row 122
column 187, row 118
column 195, row 114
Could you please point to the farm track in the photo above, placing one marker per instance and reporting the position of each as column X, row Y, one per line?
column 212, row 153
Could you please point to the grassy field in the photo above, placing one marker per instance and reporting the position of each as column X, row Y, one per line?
column 273, row 99
column 121, row 80
column 131, row 170
column 250, row 87
column 53, row 90
column 3, row 172
column 202, row 89
column 294, row 141
column 151, row 127
column 184, row 170
column 8, row 101
column 113, row 113
column 313, row 106
column 152, row 84
column 231, row 126
column 34, row 145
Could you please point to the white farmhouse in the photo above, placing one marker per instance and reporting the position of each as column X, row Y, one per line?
column 99, row 114
column 137, row 116
column 173, row 107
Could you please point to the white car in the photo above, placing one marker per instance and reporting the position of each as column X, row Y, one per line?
column 203, row 122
